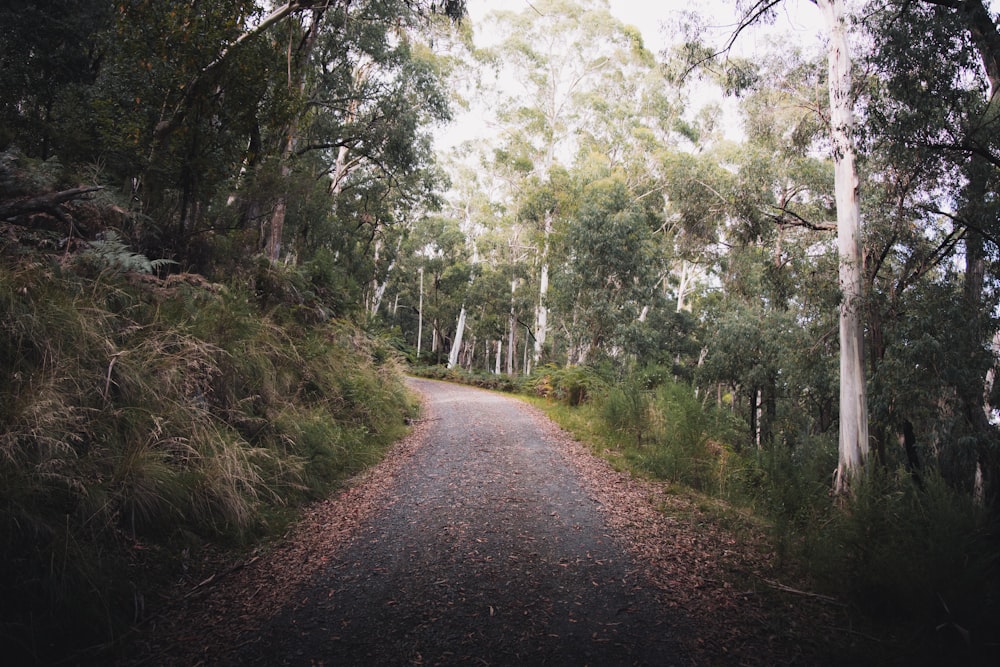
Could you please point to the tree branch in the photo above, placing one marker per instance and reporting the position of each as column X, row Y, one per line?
column 167, row 125
column 964, row 222
column 48, row 203
column 800, row 221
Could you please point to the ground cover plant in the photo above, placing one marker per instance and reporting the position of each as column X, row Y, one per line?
column 145, row 420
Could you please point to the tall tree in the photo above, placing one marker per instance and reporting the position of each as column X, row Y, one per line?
column 853, row 394
column 854, row 445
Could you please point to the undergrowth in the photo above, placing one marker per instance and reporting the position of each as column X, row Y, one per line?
column 918, row 565
column 483, row 380
column 141, row 420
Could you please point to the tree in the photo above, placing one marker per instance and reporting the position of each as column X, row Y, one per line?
column 932, row 115
column 853, row 394
column 853, row 448
column 564, row 55
column 49, row 54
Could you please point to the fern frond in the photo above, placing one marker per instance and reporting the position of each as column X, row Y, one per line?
column 110, row 252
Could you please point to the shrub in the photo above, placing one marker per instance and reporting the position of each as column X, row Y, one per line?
column 138, row 418
column 923, row 560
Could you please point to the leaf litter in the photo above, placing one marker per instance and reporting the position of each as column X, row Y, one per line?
column 714, row 604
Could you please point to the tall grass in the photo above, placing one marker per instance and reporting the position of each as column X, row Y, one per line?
column 664, row 431
column 918, row 566
column 140, row 419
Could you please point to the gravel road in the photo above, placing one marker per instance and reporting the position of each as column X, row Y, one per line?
column 487, row 549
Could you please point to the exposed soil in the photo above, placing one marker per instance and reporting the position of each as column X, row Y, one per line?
column 491, row 537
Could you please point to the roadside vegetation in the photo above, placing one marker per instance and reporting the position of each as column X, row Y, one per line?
column 146, row 419
column 914, row 560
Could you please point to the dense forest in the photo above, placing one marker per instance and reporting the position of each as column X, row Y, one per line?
column 227, row 234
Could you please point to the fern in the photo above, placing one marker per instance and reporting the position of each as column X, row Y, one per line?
column 110, row 252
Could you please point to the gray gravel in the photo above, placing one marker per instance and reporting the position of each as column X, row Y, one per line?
column 488, row 550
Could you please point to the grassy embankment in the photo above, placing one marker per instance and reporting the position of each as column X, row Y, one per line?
column 143, row 422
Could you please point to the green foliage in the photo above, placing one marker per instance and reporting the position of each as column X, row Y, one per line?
column 680, row 440
column 654, row 424
column 573, row 385
column 626, row 412
column 924, row 560
column 136, row 422
column 108, row 251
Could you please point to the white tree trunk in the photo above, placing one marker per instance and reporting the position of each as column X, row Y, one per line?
column 380, row 289
column 526, row 363
column 420, row 312
column 684, row 285
column 542, row 313
column 496, row 371
column 456, row 345
column 511, row 330
column 853, row 401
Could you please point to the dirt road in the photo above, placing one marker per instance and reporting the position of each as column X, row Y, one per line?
column 488, row 550
column 488, row 536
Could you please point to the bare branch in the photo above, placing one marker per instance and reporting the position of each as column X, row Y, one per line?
column 48, row 203
column 799, row 221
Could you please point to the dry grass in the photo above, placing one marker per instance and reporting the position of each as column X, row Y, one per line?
column 137, row 424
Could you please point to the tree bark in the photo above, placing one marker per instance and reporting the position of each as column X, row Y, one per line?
column 49, row 203
column 511, row 330
column 277, row 227
column 456, row 345
column 542, row 313
column 420, row 313
column 853, row 447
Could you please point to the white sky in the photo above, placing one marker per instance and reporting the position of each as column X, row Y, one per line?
column 799, row 19
column 798, row 22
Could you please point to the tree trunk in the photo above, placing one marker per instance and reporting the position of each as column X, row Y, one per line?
column 382, row 286
column 456, row 345
column 511, row 330
column 50, row 203
column 542, row 313
column 420, row 313
column 853, row 400
column 301, row 57
column 975, row 396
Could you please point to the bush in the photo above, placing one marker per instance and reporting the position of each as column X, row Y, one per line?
column 573, row 385
column 141, row 418
column 924, row 562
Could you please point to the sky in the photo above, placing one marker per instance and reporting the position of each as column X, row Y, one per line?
column 798, row 19
column 798, row 22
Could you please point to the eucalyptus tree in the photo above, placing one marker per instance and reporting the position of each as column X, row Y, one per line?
column 935, row 72
column 762, row 213
column 930, row 121
column 608, row 270
column 365, row 89
column 563, row 55
column 854, row 445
